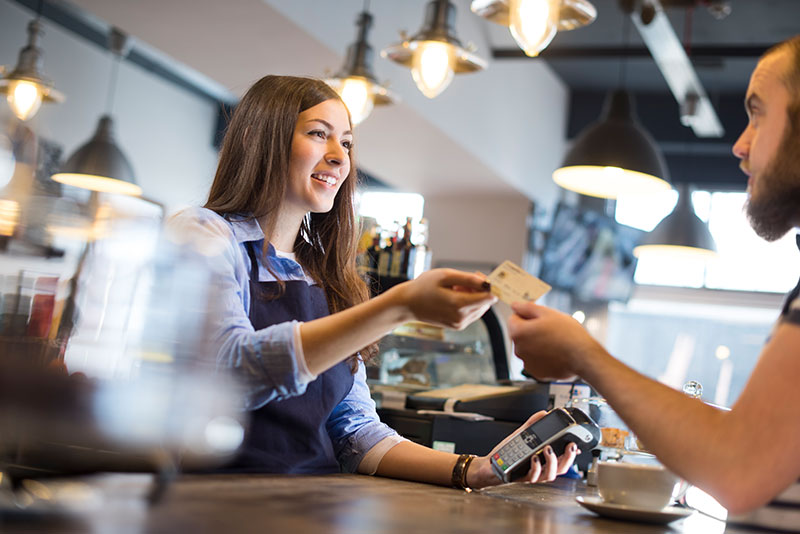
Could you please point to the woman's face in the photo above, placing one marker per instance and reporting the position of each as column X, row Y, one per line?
column 319, row 161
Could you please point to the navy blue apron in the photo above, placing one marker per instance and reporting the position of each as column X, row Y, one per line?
column 289, row 436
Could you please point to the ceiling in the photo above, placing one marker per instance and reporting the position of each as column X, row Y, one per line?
column 723, row 50
column 501, row 131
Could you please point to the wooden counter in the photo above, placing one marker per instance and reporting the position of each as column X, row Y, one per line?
column 346, row 504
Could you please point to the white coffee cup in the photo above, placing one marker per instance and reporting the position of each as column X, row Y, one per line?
column 650, row 487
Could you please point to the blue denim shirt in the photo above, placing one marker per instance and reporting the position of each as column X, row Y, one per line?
column 266, row 359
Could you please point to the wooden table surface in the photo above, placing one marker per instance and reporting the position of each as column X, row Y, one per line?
column 336, row 504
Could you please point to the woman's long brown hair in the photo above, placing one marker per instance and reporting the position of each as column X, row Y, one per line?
column 252, row 177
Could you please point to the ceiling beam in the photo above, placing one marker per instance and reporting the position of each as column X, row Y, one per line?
column 658, row 35
column 95, row 31
column 621, row 52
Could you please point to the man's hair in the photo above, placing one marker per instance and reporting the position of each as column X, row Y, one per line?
column 791, row 77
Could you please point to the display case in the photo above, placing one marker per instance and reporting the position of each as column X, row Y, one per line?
column 418, row 357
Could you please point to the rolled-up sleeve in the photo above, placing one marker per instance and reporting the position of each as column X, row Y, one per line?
column 264, row 360
column 354, row 426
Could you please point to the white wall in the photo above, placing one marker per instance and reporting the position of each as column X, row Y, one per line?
column 477, row 229
column 165, row 131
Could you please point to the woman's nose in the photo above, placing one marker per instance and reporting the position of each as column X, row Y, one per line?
column 336, row 155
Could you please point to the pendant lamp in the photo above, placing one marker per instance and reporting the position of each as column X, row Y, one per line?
column 355, row 82
column 26, row 87
column 614, row 156
column 534, row 23
column 434, row 53
column 681, row 233
column 100, row 165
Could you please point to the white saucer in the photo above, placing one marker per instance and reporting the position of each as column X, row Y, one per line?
column 630, row 513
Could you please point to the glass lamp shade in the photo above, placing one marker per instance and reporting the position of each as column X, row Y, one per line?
column 681, row 233
column 572, row 13
column 26, row 87
column 355, row 81
column 534, row 23
column 100, row 165
column 434, row 54
column 614, row 156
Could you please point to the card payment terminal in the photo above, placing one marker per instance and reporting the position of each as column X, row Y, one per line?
column 558, row 428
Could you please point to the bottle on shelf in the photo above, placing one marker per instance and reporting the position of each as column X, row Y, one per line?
column 398, row 251
column 385, row 259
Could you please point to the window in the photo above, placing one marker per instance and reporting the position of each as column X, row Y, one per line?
column 707, row 338
column 386, row 208
column 745, row 262
column 390, row 211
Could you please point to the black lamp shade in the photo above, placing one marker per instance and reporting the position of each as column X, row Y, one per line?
column 100, row 165
column 613, row 145
column 681, row 231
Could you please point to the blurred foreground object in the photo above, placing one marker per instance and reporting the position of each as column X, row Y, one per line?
column 105, row 361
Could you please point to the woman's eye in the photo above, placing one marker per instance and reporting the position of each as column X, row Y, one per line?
column 318, row 133
column 347, row 144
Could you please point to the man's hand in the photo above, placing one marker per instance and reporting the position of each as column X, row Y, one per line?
column 553, row 345
column 480, row 473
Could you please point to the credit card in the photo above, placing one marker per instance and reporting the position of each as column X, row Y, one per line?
column 511, row 283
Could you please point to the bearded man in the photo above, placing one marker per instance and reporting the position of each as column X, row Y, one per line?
column 749, row 456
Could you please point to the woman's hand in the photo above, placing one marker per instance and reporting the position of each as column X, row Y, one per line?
column 444, row 297
column 480, row 473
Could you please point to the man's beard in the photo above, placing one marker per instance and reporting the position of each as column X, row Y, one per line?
column 776, row 208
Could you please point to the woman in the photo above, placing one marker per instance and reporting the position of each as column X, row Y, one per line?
column 297, row 323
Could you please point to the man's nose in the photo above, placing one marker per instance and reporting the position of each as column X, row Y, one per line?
column 741, row 147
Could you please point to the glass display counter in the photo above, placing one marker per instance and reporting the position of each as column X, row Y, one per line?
column 418, row 356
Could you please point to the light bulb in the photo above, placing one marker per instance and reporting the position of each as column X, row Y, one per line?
column 9, row 215
column 25, row 98
column 357, row 96
column 432, row 67
column 534, row 23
